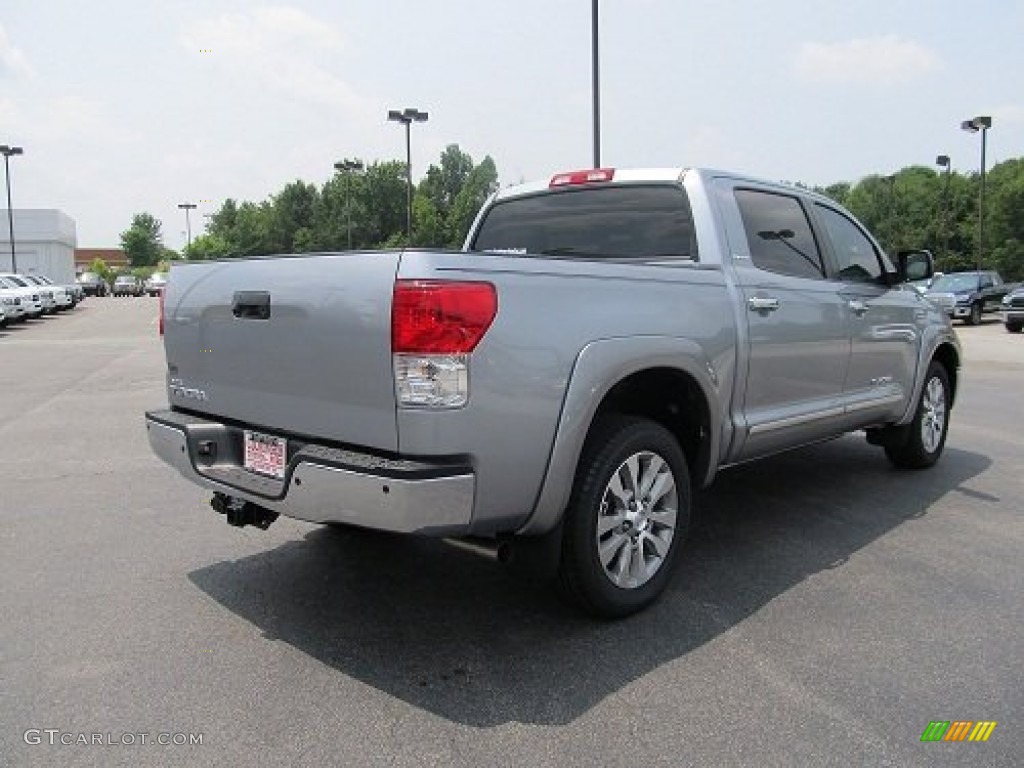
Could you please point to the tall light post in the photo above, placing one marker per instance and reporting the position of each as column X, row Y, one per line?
column 981, row 123
column 188, row 223
column 596, row 76
column 407, row 117
column 348, row 167
column 943, row 161
column 7, row 152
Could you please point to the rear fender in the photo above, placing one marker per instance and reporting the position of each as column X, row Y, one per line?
column 598, row 368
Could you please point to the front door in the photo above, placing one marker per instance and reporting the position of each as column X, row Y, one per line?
column 885, row 323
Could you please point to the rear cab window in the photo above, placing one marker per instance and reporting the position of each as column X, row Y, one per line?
column 779, row 234
column 615, row 221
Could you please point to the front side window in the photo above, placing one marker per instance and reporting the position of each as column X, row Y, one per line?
column 779, row 234
column 616, row 221
column 856, row 257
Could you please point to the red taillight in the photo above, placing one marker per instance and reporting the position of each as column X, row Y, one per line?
column 582, row 177
column 443, row 318
column 161, row 320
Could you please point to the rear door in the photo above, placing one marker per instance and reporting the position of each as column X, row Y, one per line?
column 296, row 343
column 798, row 343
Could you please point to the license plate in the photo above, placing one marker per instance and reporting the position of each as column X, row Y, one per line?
column 265, row 454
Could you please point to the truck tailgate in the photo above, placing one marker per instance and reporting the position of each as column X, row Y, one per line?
column 298, row 344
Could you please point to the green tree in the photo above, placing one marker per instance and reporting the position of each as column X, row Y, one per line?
column 384, row 200
column 253, row 233
column 206, row 247
column 222, row 223
column 99, row 266
column 293, row 212
column 428, row 225
column 839, row 191
column 142, row 242
column 1005, row 220
column 480, row 184
column 442, row 184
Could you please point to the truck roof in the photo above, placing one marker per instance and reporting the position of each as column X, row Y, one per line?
column 628, row 175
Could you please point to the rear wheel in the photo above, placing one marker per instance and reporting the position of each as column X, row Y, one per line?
column 627, row 517
column 926, row 434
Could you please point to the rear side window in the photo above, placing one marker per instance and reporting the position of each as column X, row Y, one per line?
column 617, row 222
column 779, row 234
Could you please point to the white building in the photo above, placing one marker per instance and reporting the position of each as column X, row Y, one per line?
column 44, row 243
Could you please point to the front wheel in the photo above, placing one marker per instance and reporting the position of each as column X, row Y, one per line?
column 627, row 517
column 975, row 317
column 926, row 435
column 1013, row 327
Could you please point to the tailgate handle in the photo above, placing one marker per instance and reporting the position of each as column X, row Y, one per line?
column 251, row 305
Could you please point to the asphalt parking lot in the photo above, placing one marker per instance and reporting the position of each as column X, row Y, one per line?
column 829, row 607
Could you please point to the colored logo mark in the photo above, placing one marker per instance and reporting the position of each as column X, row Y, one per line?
column 958, row 730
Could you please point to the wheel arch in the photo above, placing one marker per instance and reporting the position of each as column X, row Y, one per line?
column 949, row 357
column 666, row 379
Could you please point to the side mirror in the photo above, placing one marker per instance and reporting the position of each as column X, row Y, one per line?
column 914, row 265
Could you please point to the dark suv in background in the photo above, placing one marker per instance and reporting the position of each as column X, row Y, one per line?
column 968, row 295
column 92, row 284
column 1013, row 309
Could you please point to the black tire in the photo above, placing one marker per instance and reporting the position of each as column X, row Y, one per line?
column 975, row 317
column 582, row 577
column 918, row 450
column 1013, row 327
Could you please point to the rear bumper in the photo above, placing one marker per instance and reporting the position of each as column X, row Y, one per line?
column 322, row 484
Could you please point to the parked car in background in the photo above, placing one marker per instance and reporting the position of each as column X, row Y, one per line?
column 968, row 295
column 47, row 302
column 61, row 296
column 92, row 284
column 31, row 301
column 74, row 290
column 127, row 285
column 156, row 283
column 13, row 308
column 1013, row 309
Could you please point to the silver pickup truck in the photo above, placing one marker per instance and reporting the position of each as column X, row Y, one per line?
column 606, row 341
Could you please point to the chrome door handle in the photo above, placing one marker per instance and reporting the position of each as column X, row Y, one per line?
column 859, row 308
column 762, row 304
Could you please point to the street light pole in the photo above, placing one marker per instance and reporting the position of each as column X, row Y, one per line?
column 943, row 161
column 347, row 167
column 407, row 117
column 7, row 151
column 981, row 123
column 596, row 75
column 188, row 223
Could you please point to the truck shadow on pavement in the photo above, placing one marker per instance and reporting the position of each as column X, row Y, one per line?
column 458, row 636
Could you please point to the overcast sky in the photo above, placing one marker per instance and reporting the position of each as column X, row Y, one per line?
column 125, row 106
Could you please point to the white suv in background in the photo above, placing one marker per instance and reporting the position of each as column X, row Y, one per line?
column 46, row 297
column 31, row 297
column 61, row 295
column 12, row 305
